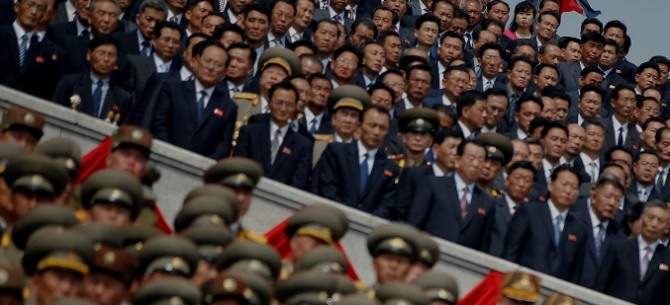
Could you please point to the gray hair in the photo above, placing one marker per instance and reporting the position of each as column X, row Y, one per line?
column 158, row 5
column 93, row 2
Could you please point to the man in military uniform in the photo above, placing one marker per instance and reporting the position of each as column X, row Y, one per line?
column 440, row 288
column 561, row 299
column 241, row 175
column 394, row 248
column 21, row 126
column 520, row 288
column 210, row 241
column 418, row 126
column 113, row 197
column 232, row 289
column 166, row 257
column 11, row 285
column 401, row 293
column 209, row 210
column 308, row 287
column 131, row 148
column 68, row 153
column 7, row 151
column 499, row 151
column 259, row 259
column 168, row 291
column 429, row 254
column 57, row 262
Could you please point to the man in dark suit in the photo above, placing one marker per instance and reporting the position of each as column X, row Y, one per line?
column 138, row 42
column 645, row 170
column 451, row 47
column 285, row 155
column 592, row 48
column 359, row 174
column 471, row 111
column 336, row 12
column 78, row 26
column 636, row 270
column 490, row 60
column 618, row 129
column 195, row 114
column 418, row 79
column 256, row 28
column 455, row 208
column 316, row 119
column 599, row 214
column 93, row 92
column 454, row 83
column 547, row 237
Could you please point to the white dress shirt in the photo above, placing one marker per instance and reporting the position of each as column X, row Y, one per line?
column 199, row 87
column 370, row 157
column 554, row 213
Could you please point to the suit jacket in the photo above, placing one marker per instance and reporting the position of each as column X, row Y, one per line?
column 410, row 180
column 626, row 69
column 326, row 126
column 501, row 223
column 632, row 136
column 530, row 242
column 144, row 106
column 568, row 75
column 591, row 259
column 128, row 43
column 501, row 80
column 82, row 85
column 325, row 14
column 141, row 68
column 175, row 119
column 337, row 177
column 57, row 31
column 619, row 274
column 7, row 14
column 293, row 163
column 436, row 210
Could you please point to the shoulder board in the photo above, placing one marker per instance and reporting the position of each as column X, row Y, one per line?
column 252, row 236
column 397, row 157
column 81, row 215
column 6, row 240
column 300, row 116
column 322, row 137
column 250, row 96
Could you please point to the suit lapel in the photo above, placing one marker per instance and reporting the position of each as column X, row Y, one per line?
column 548, row 223
column 213, row 104
column 14, row 47
column 653, row 264
column 591, row 244
column 84, row 88
column 264, row 145
column 285, row 146
column 456, row 193
column 190, row 101
column 352, row 154
column 474, row 206
column 110, row 100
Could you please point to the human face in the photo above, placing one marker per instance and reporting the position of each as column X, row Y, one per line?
column 561, row 109
column 345, row 66
column 54, row 284
column 469, row 165
column 484, row 37
column 663, row 146
column 589, row 105
column 129, row 160
column 548, row 108
column 475, row 115
column 595, row 139
column 455, row 83
column 102, row 60
column 211, row 66
column 446, row 152
column 546, row 28
column 654, row 224
column 624, row 104
column 282, row 106
column 418, row 85
column 608, row 58
column 304, row 92
column 390, row 267
column 237, row 5
column 103, row 289
column 397, row 83
column 361, row 35
column 552, row 55
column 256, row 27
column 392, row 49
column 146, row 21
column 167, row 45
column 210, row 23
column 519, row 75
column 309, row 66
column 427, row 34
column 496, row 107
column 373, row 58
column 346, row 121
column 272, row 75
column 325, row 37
column 82, row 7
column 591, row 52
column 104, row 18
column 109, row 213
column 490, row 170
column 445, row 13
column 525, row 50
column 383, row 19
column 23, row 138
column 282, row 18
column 547, row 77
column 521, row 151
column 535, row 155
column 498, row 12
column 647, row 79
column 25, row 201
column 398, row 6
column 176, row 6
column 524, row 20
column 592, row 78
column 590, row 27
column 474, row 11
column 205, row 272
column 374, row 128
column 491, row 63
column 417, row 142
column 648, row 139
column 450, row 49
column 459, row 25
column 555, row 142
column 526, row 114
column 30, row 12
column 572, row 52
column 382, row 98
column 321, row 89
column 663, row 77
column 519, row 183
column 646, row 169
column 564, row 190
column 240, row 65
column 576, row 138
column 605, row 201
column 615, row 34
column 303, row 15
column 194, row 15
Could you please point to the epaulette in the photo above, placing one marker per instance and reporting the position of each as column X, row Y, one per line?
column 6, row 241
column 397, row 157
column 251, row 97
column 252, row 236
column 300, row 116
column 81, row 215
column 361, row 286
column 323, row 137
column 495, row 193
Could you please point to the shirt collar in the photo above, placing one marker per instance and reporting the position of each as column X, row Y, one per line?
column 274, row 127
column 587, row 160
column 595, row 221
column 510, row 203
column 18, row 29
column 95, row 78
column 520, row 134
column 199, row 87
column 309, row 116
column 554, row 211
column 460, row 184
column 465, row 129
column 617, row 124
column 437, row 170
column 184, row 73
column 362, row 150
column 643, row 244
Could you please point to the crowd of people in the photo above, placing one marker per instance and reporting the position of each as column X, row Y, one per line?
column 469, row 120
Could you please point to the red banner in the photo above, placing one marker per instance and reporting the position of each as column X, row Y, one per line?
column 486, row 292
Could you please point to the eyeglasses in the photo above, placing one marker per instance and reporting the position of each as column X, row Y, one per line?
column 288, row 105
column 31, row 5
column 214, row 63
column 346, row 62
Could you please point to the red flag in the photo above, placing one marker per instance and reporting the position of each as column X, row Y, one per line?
column 571, row 6
column 486, row 292
column 277, row 238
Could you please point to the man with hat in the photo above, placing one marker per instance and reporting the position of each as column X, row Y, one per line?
column 240, row 175
column 499, row 151
column 401, row 293
column 561, row 299
column 274, row 65
column 112, row 197
column 429, row 254
column 454, row 207
column 286, row 156
column 345, row 106
column 7, row 151
column 197, row 115
column 394, row 248
column 210, row 242
column 315, row 115
column 228, row 289
column 520, row 288
column 135, row 236
column 57, row 262
column 173, row 291
column 11, row 286
column 167, row 257
column 131, row 149
column 259, row 259
column 440, row 288
column 308, row 287
column 418, row 126
column 68, row 153
column 209, row 210
column 21, row 126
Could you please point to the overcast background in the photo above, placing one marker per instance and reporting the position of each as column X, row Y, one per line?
column 647, row 22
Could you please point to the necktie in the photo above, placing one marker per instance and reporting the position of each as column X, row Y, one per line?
column 646, row 258
column 594, row 172
column 488, row 85
column 464, row 203
column 222, row 5
column 201, row 105
column 274, row 146
column 557, row 229
column 643, row 195
column 600, row 238
column 174, row 19
column 468, row 41
column 296, row 37
column 370, row 85
column 146, row 48
column 277, row 43
column 23, row 48
column 164, row 68
column 512, row 106
column 84, row 33
column 620, row 139
column 659, row 181
column 364, row 173
column 97, row 98
column 312, row 126
column 337, row 18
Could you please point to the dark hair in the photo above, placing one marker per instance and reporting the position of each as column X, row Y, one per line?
column 553, row 125
column 538, row 122
column 627, row 42
column 289, row 2
column 488, row 22
column 406, row 60
column 257, row 8
column 541, row 66
column 616, row 24
column 446, row 110
column 382, row 86
column 631, row 214
column 452, row 34
column 350, row 49
column 386, row 34
column 592, row 88
column 523, row 164
column 391, row 71
column 190, row 4
column 216, row 14
column 303, row 43
column 489, row 46
column 646, row 152
column 647, row 65
column 200, row 47
column 493, row 3
column 549, row 13
column 315, row 76
column 428, row 17
column 611, row 42
column 451, row 69
column 284, row 85
column 660, row 60
column 496, row 92
column 434, row 5
column 394, row 15
column 619, row 88
column 659, row 133
column 591, row 20
column 193, row 36
column 244, row 46
column 608, row 153
column 641, row 100
column 543, row 2
column 328, row 21
column 564, row 41
column 220, row 29
column 366, row 22
column 607, row 178
column 564, row 168
column 651, row 120
column 528, row 98
column 557, row 92
column 522, row 7
column 461, row 14
column 522, row 58
column 424, row 68
column 377, row 108
column 446, row 133
column 99, row 40
column 167, row 24
column 593, row 122
column 461, row 147
column 467, row 99
column 655, row 203
column 593, row 36
column 588, row 70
